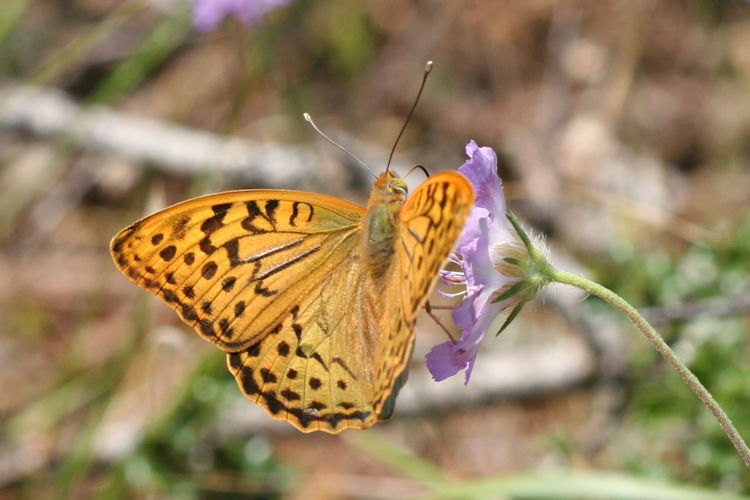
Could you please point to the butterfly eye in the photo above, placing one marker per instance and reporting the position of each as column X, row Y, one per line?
column 398, row 185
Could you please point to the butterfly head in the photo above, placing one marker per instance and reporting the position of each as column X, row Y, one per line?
column 391, row 186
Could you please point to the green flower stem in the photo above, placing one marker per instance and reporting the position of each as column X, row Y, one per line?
column 661, row 346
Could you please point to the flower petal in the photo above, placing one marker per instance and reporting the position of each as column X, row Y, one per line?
column 486, row 227
column 481, row 170
column 463, row 315
column 441, row 362
column 208, row 14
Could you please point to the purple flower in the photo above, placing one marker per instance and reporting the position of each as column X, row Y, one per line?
column 487, row 240
column 208, row 14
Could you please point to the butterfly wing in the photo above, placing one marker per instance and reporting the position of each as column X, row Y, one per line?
column 431, row 223
column 432, row 220
column 275, row 278
column 234, row 264
column 317, row 372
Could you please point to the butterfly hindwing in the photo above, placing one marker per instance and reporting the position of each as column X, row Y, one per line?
column 316, row 371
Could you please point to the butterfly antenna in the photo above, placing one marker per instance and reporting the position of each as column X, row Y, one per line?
column 417, row 167
column 309, row 120
column 427, row 69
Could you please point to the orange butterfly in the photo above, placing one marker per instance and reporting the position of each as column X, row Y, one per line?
column 313, row 298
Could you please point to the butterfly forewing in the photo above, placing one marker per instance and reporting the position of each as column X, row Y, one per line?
column 432, row 221
column 234, row 264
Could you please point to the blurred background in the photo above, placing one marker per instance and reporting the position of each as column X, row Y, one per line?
column 622, row 130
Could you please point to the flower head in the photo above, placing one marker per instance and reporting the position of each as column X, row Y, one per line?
column 208, row 14
column 496, row 267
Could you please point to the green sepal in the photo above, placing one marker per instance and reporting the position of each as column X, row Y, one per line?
column 510, row 317
column 510, row 292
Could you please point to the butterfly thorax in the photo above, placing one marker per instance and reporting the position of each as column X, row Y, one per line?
column 381, row 224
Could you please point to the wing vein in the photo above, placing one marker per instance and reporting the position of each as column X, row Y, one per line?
column 322, row 261
column 283, row 265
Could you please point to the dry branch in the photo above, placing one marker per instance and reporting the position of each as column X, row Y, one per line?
column 49, row 113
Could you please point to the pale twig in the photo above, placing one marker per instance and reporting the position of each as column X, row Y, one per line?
column 175, row 149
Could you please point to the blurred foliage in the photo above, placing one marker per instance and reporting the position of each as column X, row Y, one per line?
column 183, row 456
column 716, row 349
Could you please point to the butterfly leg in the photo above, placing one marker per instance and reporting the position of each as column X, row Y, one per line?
column 428, row 310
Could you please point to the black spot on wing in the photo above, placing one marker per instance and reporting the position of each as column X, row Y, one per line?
column 206, row 246
column 253, row 212
column 168, row 253
column 221, row 208
column 207, row 328
column 267, row 375
column 233, row 252
column 254, row 350
column 283, row 349
column 179, row 227
column 213, row 223
column 444, row 198
column 271, row 206
column 226, row 331
column 290, row 395
column 316, row 406
column 296, row 212
column 265, row 292
column 209, row 269
column 248, row 382
column 235, row 360
column 239, row 308
column 272, row 402
column 228, row 283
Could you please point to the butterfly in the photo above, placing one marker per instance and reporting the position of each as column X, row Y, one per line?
column 313, row 298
